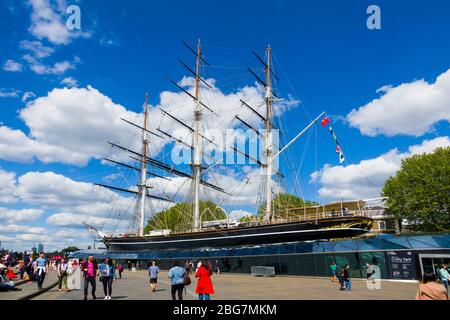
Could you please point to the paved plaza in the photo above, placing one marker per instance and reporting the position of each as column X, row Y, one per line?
column 135, row 285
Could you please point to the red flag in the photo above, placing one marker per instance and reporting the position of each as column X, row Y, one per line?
column 325, row 121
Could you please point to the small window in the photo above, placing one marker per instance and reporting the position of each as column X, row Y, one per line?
column 382, row 225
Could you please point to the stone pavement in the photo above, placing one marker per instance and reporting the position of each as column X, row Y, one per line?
column 29, row 288
column 245, row 287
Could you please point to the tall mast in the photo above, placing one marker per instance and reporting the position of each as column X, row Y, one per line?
column 268, row 141
column 143, row 180
column 197, row 142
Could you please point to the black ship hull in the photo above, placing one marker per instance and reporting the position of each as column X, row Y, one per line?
column 340, row 227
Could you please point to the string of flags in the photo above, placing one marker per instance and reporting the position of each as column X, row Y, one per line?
column 324, row 123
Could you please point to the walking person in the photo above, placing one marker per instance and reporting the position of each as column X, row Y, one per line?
column 40, row 269
column 204, row 285
column 120, row 270
column 177, row 277
column 445, row 276
column 153, row 272
column 430, row 290
column 90, row 270
column 334, row 271
column 107, row 276
column 346, row 278
column 63, row 273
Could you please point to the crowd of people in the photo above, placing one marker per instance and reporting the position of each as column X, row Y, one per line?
column 429, row 288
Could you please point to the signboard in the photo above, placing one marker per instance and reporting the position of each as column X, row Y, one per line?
column 402, row 265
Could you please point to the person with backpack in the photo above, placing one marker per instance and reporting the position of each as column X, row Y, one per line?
column 177, row 276
column 204, row 285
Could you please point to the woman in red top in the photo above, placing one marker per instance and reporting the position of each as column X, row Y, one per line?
column 204, row 285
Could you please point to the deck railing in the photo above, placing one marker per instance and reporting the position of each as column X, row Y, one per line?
column 290, row 217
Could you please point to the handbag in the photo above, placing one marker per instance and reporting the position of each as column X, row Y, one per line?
column 187, row 280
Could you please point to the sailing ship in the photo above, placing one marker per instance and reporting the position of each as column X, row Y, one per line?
column 272, row 228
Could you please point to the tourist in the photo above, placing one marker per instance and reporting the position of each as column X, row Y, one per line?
column 430, row 290
column 40, row 269
column 333, row 268
column 346, row 283
column 63, row 272
column 129, row 265
column 217, row 267
column 5, row 284
column 107, row 276
column 177, row 277
column 153, row 273
column 204, row 286
column 133, row 267
column 120, row 270
column 445, row 276
column 90, row 270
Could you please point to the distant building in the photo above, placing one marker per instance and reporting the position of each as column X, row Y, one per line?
column 40, row 247
column 33, row 249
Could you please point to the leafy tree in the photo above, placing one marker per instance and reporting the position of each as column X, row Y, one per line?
column 283, row 201
column 420, row 191
column 181, row 216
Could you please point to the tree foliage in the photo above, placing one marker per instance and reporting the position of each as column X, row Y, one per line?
column 69, row 250
column 283, row 201
column 420, row 191
column 181, row 216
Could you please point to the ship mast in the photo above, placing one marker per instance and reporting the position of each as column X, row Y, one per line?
column 143, row 181
column 197, row 142
column 268, row 140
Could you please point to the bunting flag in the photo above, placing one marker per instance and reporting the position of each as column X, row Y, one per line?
column 326, row 121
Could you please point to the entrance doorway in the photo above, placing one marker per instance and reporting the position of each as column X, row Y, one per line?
column 431, row 263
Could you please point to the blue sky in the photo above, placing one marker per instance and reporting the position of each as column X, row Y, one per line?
column 325, row 55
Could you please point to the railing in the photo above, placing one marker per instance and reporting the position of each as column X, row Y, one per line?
column 315, row 217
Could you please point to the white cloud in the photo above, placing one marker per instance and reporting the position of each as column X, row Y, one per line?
column 8, row 187
column 31, row 237
column 408, row 109
column 37, row 48
column 5, row 93
column 14, row 228
column 48, row 22
column 12, row 66
column 58, row 68
column 365, row 179
column 11, row 215
column 69, row 82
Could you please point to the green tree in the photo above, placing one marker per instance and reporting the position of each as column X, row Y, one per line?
column 181, row 216
column 420, row 191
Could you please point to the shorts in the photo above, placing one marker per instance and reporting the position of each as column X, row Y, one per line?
column 153, row 280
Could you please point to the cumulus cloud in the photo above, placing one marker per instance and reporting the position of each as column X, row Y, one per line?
column 14, row 228
column 57, row 68
column 8, row 187
column 11, row 215
column 37, row 48
column 69, row 82
column 12, row 66
column 5, row 93
column 409, row 109
column 365, row 179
